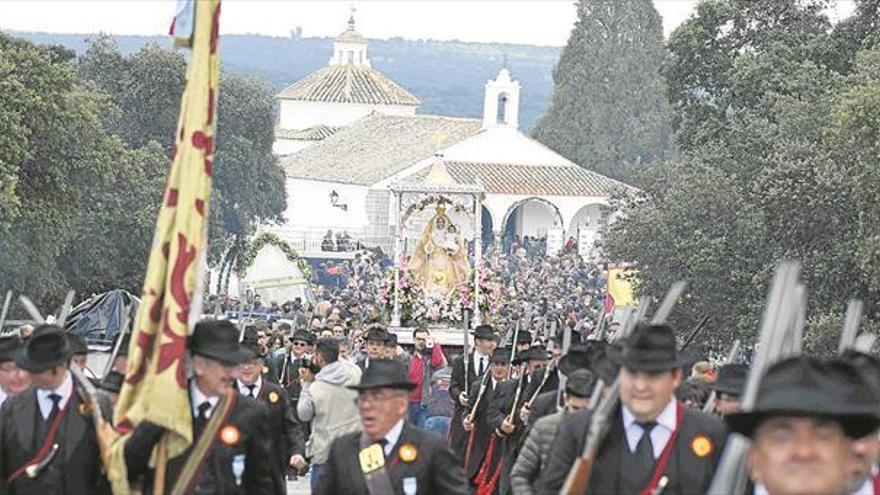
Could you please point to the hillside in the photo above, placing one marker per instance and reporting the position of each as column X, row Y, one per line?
column 448, row 76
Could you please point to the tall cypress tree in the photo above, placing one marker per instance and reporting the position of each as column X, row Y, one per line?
column 609, row 108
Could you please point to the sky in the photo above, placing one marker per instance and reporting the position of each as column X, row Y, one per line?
column 539, row 22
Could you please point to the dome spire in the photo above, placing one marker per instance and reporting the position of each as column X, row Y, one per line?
column 350, row 48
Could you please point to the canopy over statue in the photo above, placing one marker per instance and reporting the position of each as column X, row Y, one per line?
column 440, row 262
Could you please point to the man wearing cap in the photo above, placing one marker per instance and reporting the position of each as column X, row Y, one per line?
column 534, row 452
column 389, row 455
column 374, row 344
column 485, row 342
column 505, row 415
column 652, row 435
column 728, row 387
column 286, row 436
column 802, row 427
column 233, row 429
column 13, row 379
column 328, row 405
column 479, row 431
column 49, row 413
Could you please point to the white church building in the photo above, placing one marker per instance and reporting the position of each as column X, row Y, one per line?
column 347, row 132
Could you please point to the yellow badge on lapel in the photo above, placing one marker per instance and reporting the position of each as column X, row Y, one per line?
column 408, row 452
column 229, row 435
column 372, row 458
column 702, row 446
column 273, row 397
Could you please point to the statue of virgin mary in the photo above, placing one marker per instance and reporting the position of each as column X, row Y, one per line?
column 439, row 263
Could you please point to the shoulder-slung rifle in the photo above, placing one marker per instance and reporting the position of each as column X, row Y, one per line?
column 602, row 417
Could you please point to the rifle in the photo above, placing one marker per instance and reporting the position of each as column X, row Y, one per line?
column 851, row 323
column 464, row 350
column 103, row 430
column 694, row 333
column 547, row 372
column 776, row 323
column 600, row 422
column 709, row 406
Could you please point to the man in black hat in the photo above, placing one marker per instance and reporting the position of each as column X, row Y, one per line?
column 506, row 416
column 13, row 379
column 480, row 431
column 728, row 387
column 865, row 477
column 652, row 435
column 374, row 345
column 238, row 455
column 536, row 448
column 49, row 413
column 80, row 350
column 802, row 427
column 286, row 435
column 580, row 356
column 389, row 455
column 485, row 342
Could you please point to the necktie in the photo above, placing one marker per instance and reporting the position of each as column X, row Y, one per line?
column 382, row 443
column 251, row 388
column 201, row 418
column 645, row 451
column 482, row 365
column 56, row 400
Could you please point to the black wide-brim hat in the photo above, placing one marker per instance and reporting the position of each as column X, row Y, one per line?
column 534, row 352
column 46, row 348
column 580, row 357
column 77, row 344
column 10, row 346
column 806, row 386
column 376, row 334
column 731, row 379
column 303, row 336
column 218, row 340
column 524, row 337
column 500, row 355
column 384, row 373
column 650, row 348
column 580, row 383
column 484, row 332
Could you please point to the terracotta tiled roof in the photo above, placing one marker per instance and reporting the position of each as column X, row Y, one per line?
column 348, row 83
column 377, row 147
column 531, row 180
column 315, row 133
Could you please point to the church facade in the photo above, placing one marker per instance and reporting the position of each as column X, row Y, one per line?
column 347, row 134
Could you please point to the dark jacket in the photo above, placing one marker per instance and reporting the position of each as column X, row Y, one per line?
column 502, row 402
column 533, row 454
column 216, row 474
column 483, row 431
column 687, row 472
column 457, row 435
column 434, row 469
column 76, row 468
column 285, row 433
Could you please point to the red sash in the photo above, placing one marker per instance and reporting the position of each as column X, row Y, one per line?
column 666, row 454
column 876, row 484
column 50, row 439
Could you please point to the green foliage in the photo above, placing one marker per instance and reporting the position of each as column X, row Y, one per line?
column 84, row 149
column 779, row 160
column 608, row 107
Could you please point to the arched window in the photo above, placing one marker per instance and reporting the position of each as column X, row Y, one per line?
column 501, row 116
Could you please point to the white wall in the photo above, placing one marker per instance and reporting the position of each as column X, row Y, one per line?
column 568, row 206
column 309, row 211
column 534, row 218
column 305, row 114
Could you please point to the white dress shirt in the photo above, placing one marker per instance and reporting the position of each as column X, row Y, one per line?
column 198, row 397
column 476, row 365
column 258, row 385
column 64, row 390
column 3, row 396
column 660, row 435
column 392, row 437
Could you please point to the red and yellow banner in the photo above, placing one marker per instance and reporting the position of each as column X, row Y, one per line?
column 155, row 383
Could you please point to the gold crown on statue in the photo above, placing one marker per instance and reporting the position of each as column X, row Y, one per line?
column 441, row 210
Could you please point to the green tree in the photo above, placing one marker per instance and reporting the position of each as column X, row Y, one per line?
column 147, row 85
column 608, row 107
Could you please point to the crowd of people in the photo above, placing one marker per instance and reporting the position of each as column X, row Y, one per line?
column 327, row 392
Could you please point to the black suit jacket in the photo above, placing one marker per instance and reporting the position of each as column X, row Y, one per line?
column 284, row 432
column 76, row 468
column 502, row 402
column 483, row 430
column 687, row 472
column 457, row 435
column 216, row 474
column 434, row 469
